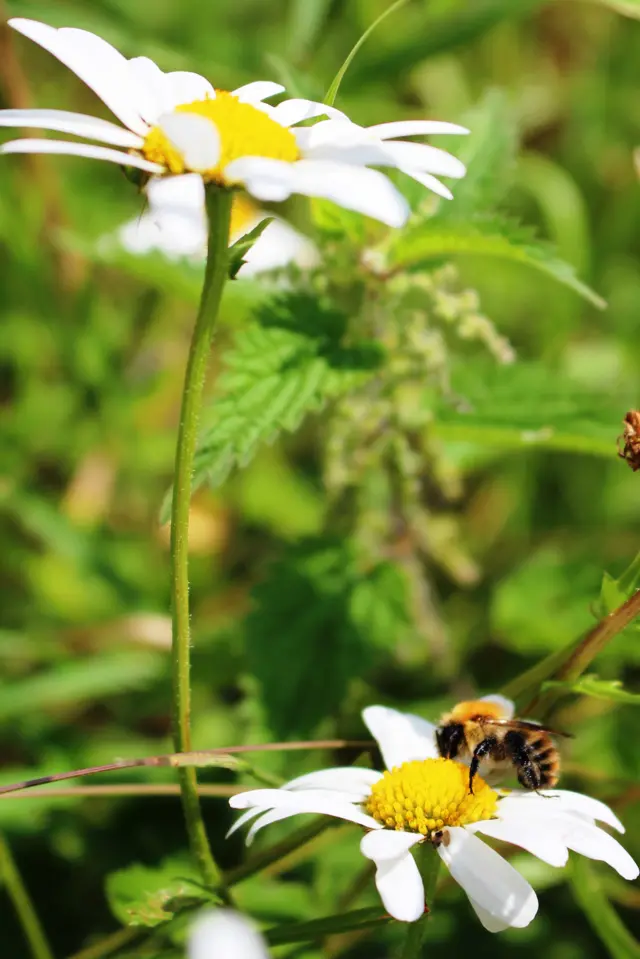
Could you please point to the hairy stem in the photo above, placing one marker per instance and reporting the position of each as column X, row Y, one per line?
column 12, row 880
column 218, row 204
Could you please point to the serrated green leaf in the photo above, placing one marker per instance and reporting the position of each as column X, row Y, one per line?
column 317, row 619
column 439, row 239
column 599, row 912
column 239, row 250
column 527, row 405
column 489, row 155
column 149, row 895
column 609, row 689
column 286, row 364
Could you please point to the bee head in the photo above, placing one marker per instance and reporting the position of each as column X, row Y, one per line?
column 449, row 738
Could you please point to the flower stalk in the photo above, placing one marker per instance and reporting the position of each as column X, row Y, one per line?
column 218, row 205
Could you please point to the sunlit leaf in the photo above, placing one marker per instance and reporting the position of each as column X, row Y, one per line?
column 609, row 689
column 149, row 895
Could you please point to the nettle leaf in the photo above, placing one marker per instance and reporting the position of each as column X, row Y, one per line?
column 289, row 362
column 320, row 619
column 149, row 895
column 238, row 252
column 610, row 689
column 441, row 238
column 528, row 405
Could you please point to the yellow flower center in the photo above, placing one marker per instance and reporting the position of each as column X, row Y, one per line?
column 244, row 130
column 427, row 795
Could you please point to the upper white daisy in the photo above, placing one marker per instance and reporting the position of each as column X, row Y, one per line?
column 176, row 123
column 422, row 797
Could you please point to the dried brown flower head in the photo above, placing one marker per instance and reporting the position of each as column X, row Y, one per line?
column 630, row 451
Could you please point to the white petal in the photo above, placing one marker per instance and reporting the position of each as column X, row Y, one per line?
column 410, row 128
column 400, row 736
column 274, row 815
column 354, row 188
column 195, row 137
column 279, row 245
column 184, row 87
column 597, row 844
column 147, row 75
column 223, row 934
column 172, row 233
column 386, row 844
column 549, row 801
column 398, row 878
column 244, row 818
column 75, row 123
column 257, row 91
column 534, row 835
column 431, row 183
column 267, row 180
column 506, row 705
column 184, row 193
column 296, row 110
column 67, row 148
column 96, row 63
column 490, row 923
column 350, row 779
column 421, row 156
column 488, row 879
column 318, row 801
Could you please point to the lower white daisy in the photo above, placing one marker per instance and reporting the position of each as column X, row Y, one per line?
column 424, row 798
column 224, row 934
column 175, row 225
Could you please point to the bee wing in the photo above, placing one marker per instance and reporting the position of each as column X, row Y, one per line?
column 526, row 724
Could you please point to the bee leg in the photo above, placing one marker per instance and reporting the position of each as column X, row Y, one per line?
column 481, row 750
column 520, row 756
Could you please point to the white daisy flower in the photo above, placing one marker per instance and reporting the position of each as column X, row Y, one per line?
column 224, row 934
column 424, row 798
column 175, row 224
column 177, row 123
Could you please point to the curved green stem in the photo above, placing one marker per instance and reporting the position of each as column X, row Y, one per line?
column 218, row 204
column 17, row 891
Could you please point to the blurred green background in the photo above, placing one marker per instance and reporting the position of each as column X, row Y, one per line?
column 93, row 353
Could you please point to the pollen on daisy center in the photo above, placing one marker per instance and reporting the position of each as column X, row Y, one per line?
column 427, row 795
column 244, row 131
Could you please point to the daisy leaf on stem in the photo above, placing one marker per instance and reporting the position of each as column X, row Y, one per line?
column 238, row 252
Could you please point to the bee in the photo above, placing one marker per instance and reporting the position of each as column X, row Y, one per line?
column 484, row 731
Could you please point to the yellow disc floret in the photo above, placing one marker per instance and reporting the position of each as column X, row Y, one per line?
column 244, row 130
column 427, row 795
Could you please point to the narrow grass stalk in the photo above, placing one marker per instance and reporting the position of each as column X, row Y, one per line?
column 11, row 879
column 218, row 204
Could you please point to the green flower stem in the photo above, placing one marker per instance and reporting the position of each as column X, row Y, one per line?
column 218, row 203
column 319, row 928
column 428, row 862
column 273, row 854
column 12, row 880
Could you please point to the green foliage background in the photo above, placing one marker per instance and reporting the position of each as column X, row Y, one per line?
column 320, row 582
